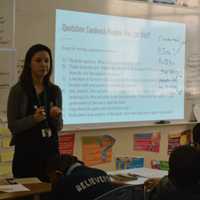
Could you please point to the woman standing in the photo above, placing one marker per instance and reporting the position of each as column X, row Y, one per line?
column 34, row 115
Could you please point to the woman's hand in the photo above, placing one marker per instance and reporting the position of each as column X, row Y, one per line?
column 55, row 111
column 39, row 114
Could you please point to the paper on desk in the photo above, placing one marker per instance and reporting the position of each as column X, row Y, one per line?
column 150, row 173
column 13, row 188
column 139, row 181
column 143, row 172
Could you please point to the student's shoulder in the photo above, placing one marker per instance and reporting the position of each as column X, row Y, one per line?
column 97, row 171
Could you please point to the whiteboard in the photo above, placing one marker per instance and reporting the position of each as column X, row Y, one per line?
column 39, row 17
column 7, row 23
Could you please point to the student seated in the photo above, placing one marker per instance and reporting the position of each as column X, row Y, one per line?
column 183, row 179
column 196, row 136
column 70, row 178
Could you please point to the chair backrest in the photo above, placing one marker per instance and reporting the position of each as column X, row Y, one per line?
column 125, row 192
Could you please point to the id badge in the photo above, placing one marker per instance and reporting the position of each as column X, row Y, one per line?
column 49, row 132
column 46, row 133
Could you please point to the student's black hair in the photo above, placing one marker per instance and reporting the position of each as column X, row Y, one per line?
column 184, row 165
column 61, row 162
column 25, row 77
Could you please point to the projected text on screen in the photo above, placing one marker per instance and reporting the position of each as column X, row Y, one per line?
column 119, row 69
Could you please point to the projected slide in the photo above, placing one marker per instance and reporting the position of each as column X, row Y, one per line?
column 119, row 69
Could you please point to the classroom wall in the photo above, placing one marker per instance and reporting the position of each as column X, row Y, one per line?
column 125, row 140
column 34, row 23
column 39, row 17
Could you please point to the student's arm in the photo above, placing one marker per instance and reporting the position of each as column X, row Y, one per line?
column 57, row 192
column 161, row 190
column 151, row 183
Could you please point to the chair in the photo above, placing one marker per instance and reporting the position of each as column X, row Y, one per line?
column 125, row 192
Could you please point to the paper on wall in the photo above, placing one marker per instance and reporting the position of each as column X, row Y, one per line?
column 6, row 155
column 5, row 168
column 196, row 110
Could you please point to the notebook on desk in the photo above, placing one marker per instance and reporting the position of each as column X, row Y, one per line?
column 28, row 180
column 124, row 177
column 10, row 185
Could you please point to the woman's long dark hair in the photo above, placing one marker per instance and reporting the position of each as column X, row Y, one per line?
column 26, row 77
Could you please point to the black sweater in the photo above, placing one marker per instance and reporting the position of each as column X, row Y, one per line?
column 82, row 183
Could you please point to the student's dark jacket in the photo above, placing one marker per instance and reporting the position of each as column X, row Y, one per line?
column 82, row 183
column 166, row 190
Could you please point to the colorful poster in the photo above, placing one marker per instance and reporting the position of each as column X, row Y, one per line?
column 177, row 139
column 160, row 164
column 66, row 143
column 97, row 149
column 129, row 162
column 147, row 142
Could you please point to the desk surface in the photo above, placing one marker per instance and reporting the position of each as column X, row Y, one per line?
column 35, row 188
column 143, row 173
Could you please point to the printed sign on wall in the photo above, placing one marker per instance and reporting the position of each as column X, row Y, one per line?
column 66, row 143
column 97, row 149
column 177, row 139
column 147, row 142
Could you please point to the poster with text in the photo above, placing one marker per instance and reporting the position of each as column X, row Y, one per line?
column 97, row 149
column 160, row 164
column 147, row 142
column 177, row 139
column 66, row 143
column 126, row 162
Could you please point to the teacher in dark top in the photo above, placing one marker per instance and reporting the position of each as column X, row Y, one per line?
column 34, row 115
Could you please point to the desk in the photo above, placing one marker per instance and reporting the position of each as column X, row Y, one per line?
column 35, row 190
column 143, row 173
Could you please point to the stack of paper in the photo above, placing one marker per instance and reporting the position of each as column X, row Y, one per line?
column 27, row 180
column 13, row 188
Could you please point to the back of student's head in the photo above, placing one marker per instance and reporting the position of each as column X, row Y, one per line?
column 196, row 135
column 61, row 162
column 57, row 166
column 184, row 166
